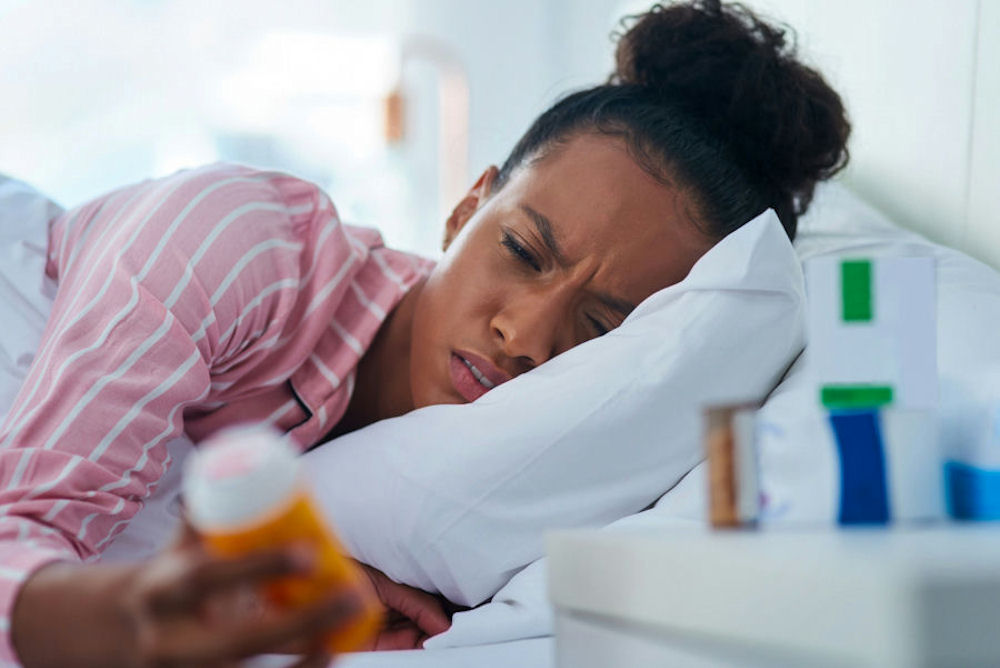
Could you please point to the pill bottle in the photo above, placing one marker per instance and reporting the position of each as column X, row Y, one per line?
column 244, row 491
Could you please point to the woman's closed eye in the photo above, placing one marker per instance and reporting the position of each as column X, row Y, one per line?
column 520, row 252
column 598, row 326
column 526, row 257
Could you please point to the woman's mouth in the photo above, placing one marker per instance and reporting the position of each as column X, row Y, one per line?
column 474, row 376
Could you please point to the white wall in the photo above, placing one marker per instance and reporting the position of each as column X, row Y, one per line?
column 916, row 75
column 922, row 96
column 92, row 93
column 984, row 179
column 507, row 51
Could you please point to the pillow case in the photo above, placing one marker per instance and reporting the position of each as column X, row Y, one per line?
column 521, row 609
column 455, row 499
column 25, row 292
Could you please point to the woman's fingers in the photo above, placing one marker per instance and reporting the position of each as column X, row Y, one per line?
column 185, row 641
column 400, row 636
column 180, row 582
column 423, row 609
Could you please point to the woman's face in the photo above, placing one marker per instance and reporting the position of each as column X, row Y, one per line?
column 559, row 255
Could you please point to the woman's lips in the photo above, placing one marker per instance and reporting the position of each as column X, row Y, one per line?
column 474, row 376
column 495, row 375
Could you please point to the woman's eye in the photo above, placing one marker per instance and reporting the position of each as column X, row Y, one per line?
column 598, row 326
column 520, row 252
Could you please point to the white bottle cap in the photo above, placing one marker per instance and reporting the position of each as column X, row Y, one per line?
column 238, row 476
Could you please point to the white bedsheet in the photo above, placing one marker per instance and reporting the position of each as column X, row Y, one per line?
column 532, row 653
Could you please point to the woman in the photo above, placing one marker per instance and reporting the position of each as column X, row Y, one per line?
column 225, row 294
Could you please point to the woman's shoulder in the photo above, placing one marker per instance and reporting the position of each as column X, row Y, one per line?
column 402, row 267
column 233, row 184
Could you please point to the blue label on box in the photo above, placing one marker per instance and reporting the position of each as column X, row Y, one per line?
column 864, row 497
column 973, row 493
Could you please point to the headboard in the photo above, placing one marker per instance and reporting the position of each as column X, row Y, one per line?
column 922, row 84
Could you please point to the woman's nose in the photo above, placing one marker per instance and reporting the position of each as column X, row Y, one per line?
column 530, row 329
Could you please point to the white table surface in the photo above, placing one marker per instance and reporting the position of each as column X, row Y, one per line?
column 916, row 596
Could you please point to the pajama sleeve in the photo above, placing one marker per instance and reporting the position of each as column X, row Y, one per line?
column 158, row 283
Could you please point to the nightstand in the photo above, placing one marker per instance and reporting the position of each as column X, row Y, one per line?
column 907, row 597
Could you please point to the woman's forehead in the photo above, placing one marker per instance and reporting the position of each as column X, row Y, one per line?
column 593, row 199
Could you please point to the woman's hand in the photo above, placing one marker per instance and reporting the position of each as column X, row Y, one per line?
column 173, row 610
column 412, row 614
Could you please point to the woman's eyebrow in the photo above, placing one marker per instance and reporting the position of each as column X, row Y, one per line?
column 544, row 226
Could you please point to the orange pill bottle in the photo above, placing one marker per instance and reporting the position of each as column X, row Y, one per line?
column 244, row 491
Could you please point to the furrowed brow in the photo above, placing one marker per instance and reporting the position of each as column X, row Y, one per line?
column 544, row 226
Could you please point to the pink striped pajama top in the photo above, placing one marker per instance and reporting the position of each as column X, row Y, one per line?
column 188, row 303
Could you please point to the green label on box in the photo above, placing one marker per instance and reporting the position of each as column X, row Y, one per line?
column 855, row 396
column 856, row 290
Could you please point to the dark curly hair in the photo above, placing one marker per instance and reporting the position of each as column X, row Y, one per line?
column 709, row 97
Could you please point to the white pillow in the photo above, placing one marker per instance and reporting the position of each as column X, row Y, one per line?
column 521, row 608
column 456, row 498
column 25, row 292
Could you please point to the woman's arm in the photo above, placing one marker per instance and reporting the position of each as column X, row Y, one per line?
column 159, row 284
column 146, row 287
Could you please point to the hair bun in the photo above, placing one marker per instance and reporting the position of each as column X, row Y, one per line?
column 738, row 76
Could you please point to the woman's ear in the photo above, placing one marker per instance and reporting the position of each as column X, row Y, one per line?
column 477, row 195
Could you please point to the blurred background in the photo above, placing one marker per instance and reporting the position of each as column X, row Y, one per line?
column 396, row 106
